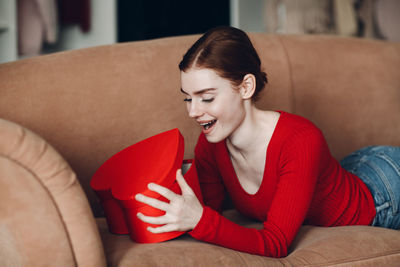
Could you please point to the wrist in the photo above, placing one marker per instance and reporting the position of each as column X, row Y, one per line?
column 198, row 216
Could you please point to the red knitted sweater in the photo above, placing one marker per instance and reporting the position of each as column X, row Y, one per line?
column 302, row 183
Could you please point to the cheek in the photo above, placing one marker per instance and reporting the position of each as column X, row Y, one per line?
column 234, row 111
column 223, row 112
column 217, row 109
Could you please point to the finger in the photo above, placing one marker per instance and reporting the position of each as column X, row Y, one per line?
column 182, row 183
column 155, row 203
column 153, row 220
column 165, row 192
column 162, row 229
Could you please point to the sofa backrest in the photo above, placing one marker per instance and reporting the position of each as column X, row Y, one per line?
column 349, row 87
column 91, row 103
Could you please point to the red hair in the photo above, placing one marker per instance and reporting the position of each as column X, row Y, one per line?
column 230, row 53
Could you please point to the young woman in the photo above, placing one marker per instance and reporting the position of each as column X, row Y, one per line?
column 275, row 166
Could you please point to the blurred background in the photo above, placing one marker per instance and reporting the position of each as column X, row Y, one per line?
column 34, row 27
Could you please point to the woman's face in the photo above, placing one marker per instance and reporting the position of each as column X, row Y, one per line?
column 213, row 102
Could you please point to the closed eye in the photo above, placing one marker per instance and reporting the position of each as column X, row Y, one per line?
column 209, row 100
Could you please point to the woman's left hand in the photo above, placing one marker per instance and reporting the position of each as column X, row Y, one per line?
column 182, row 213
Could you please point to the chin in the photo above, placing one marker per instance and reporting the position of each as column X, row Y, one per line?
column 213, row 138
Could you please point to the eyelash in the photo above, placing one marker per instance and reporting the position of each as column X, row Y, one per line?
column 204, row 100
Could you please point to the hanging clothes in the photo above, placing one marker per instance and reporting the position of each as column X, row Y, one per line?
column 345, row 17
column 75, row 12
column 37, row 23
column 298, row 16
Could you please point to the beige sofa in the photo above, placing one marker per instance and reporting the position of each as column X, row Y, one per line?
column 63, row 115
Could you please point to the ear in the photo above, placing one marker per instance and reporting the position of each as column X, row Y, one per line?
column 248, row 86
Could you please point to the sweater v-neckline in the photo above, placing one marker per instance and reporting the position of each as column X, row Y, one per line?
column 271, row 143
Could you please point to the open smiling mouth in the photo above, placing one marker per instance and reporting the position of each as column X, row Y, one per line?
column 208, row 125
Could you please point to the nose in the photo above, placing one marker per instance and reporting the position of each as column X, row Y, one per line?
column 194, row 110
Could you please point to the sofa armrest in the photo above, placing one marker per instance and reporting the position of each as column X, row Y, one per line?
column 45, row 218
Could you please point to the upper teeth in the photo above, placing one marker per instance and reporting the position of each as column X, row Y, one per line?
column 206, row 123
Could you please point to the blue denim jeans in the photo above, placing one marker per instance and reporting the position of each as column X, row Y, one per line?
column 379, row 168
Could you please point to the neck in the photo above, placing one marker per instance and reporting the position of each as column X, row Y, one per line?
column 251, row 132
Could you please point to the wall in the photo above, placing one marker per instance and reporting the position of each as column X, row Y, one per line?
column 248, row 15
column 8, row 30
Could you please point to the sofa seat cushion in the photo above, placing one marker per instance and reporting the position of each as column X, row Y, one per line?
column 313, row 246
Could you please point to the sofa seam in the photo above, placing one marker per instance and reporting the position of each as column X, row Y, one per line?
column 396, row 252
column 51, row 197
column 290, row 69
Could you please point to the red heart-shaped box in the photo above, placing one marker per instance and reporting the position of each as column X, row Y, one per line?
column 128, row 172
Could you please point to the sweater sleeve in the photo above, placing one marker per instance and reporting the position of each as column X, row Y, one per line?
column 299, row 166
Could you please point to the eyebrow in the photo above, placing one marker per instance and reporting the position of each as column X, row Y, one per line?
column 202, row 91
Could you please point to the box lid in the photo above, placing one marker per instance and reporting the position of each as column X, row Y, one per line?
column 129, row 171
